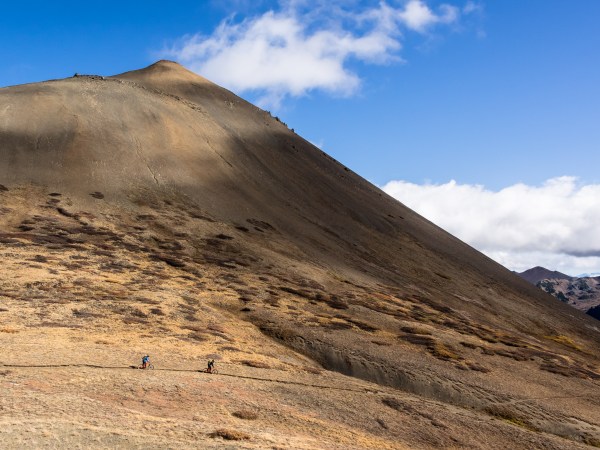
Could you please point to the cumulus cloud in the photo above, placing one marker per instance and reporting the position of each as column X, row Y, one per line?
column 554, row 225
column 305, row 46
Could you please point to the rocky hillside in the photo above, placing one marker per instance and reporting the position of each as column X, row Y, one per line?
column 155, row 212
column 582, row 293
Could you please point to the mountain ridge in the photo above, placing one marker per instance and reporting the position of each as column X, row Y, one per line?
column 538, row 273
column 580, row 292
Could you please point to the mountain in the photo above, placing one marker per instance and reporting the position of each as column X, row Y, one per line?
column 157, row 213
column 582, row 293
column 537, row 274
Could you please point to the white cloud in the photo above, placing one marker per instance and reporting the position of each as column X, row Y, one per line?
column 303, row 47
column 554, row 225
column 417, row 15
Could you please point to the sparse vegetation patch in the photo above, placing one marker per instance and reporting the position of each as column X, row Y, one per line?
column 256, row 364
column 230, row 435
column 245, row 414
column 564, row 340
column 509, row 415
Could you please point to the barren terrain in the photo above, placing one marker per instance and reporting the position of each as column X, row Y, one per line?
column 156, row 213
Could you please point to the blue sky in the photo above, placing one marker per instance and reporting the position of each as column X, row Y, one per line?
column 501, row 96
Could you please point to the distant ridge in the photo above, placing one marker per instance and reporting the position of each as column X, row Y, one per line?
column 581, row 292
column 537, row 274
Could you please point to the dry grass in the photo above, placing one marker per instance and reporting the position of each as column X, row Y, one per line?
column 336, row 324
column 441, row 351
column 393, row 403
column 469, row 345
column 198, row 336
column 508, row 415
column 245, row 414
column 230, row 435
column 363, row 325
column 415, row 329
column 570, row 371
column 564, row 340
column 591, row 441
column 256, row 364
column 434, row 347
column 8, row 330
column 418, row 339
column 476, row 367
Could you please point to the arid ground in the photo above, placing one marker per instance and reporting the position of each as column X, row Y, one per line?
column 157, row 213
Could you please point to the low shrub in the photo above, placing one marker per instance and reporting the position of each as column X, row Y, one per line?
column 392, row 403
column 230, row 435
column 256, row 364
column 510, row 416
column 245, row 414
column 412, row 329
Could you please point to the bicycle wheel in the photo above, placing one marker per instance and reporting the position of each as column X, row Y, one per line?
column 214, row 371
column 150, row 366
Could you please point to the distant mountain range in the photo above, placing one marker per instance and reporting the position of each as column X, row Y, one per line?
column 593, row 274
column 581, row 292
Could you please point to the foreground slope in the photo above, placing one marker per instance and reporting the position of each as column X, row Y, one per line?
column 157, row 212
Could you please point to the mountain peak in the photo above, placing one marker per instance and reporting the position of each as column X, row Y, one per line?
column 164, row 65
column 163, row 71
column 167, row 63
column 538, row 273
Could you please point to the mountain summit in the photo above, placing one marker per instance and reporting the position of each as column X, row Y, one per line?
column 155, row 212
column 538, row 273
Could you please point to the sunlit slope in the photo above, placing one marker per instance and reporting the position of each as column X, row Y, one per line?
column 157, row 190
column 164, row 128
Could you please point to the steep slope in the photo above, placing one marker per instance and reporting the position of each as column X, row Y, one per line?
column 156, row 209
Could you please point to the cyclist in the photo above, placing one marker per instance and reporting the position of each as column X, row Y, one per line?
column 211, row 365
column 145, row 362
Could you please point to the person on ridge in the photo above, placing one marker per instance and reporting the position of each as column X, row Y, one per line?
column 211, row 365
column 145, row 361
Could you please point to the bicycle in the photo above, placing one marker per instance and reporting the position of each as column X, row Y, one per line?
column 149, row 366
column 214, row 371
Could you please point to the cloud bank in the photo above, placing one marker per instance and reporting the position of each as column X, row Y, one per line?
column 554, row 225
column 305, row 46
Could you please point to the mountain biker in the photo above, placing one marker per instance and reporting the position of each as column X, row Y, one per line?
column 211, row 365
column 145, row 361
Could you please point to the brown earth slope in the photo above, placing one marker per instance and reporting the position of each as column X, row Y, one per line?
column 156, row 212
